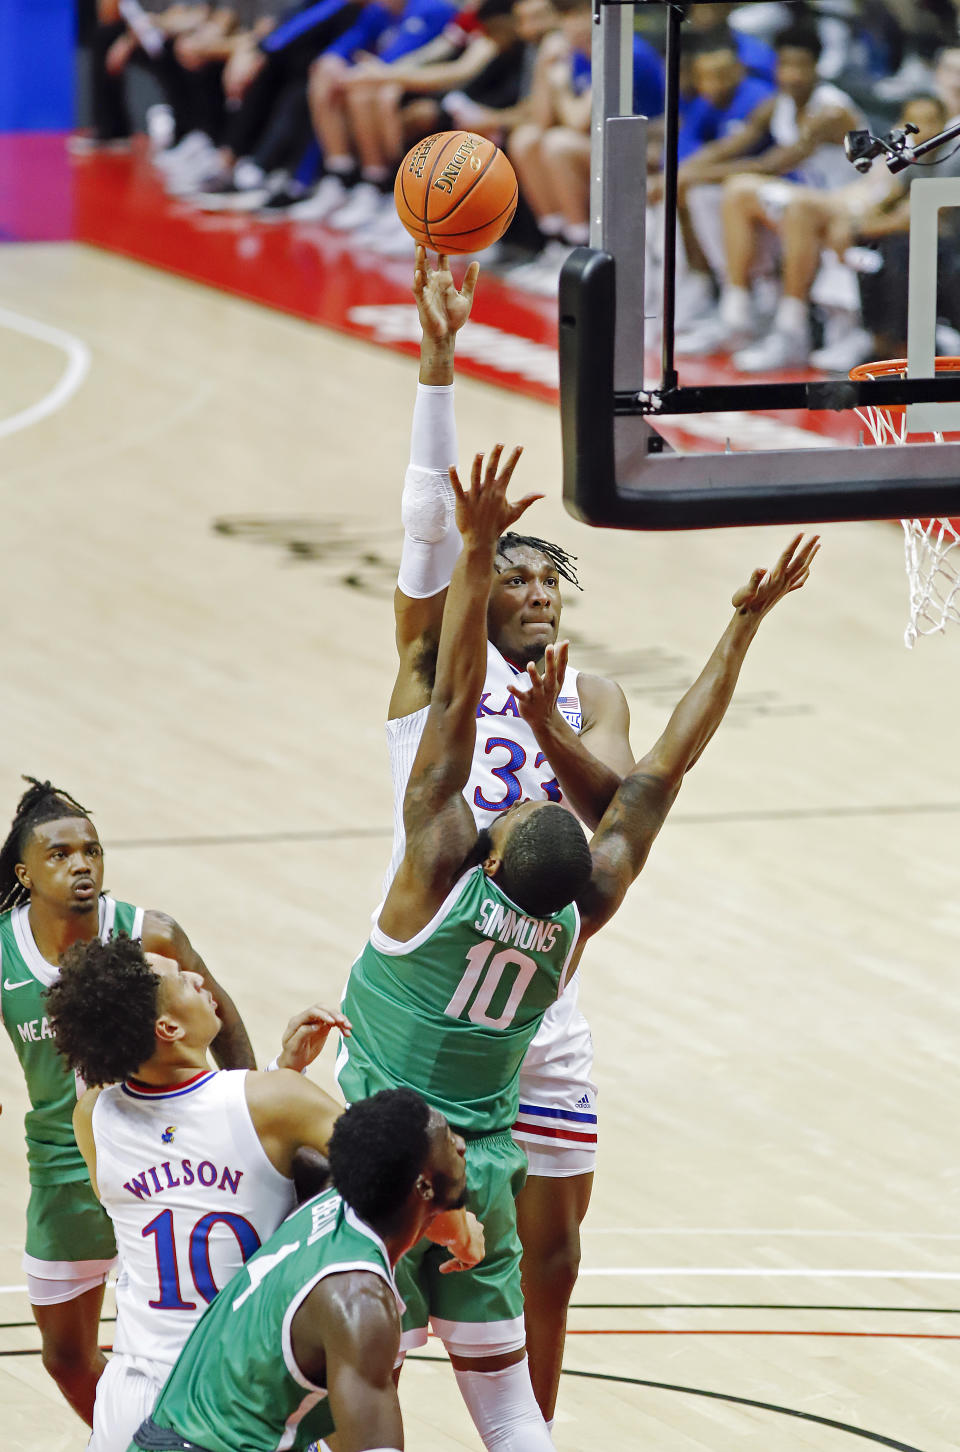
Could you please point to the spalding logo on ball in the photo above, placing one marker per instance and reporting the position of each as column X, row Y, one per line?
column 455, row 192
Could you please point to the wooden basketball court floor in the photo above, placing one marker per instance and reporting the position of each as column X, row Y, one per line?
column 772, row 1257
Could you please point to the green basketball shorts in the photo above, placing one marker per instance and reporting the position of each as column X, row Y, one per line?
column 476, row 1312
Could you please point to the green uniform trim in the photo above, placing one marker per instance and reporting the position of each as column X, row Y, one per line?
column 452, row 1012
column 236, row 1383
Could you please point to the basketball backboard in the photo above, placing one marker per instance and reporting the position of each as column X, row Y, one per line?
column 777, row 455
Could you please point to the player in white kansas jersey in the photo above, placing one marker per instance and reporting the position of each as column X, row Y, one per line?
column 193, row 1166
column 584, row 752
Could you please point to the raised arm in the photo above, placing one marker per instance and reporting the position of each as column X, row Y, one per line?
column 231, row 1048
column 431, row 542
column 439, row 826
column 636, row 814
column 590, row 764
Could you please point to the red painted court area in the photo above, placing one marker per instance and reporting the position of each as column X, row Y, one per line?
column 313, row 272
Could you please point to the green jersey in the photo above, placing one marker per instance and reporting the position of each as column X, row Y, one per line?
column 451, row 1013
column 25, row 975
column 236, row 1383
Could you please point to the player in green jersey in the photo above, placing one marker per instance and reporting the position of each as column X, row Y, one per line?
column 480, row 930
column 304, row 1339
column 51, row 896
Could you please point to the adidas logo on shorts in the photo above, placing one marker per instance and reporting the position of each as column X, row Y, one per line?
column 584, row 1101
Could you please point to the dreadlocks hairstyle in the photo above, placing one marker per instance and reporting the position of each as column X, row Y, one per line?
column 103, row 1009
column 561, row 559
column 377, row 1150
column 41, row 802
column 546, row 861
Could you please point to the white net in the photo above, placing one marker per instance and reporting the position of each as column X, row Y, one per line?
column 933, row 576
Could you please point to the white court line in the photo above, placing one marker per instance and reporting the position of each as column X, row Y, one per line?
column 78, row 366
column 770, row 1234
column 770, row 1272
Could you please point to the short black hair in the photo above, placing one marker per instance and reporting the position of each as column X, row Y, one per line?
column 546, row 861
column 103, row 1009
column 41, row 802
column 707, row 42
column 799, row 37
column 493, row 9
column 561, row 559
column 377, row 1150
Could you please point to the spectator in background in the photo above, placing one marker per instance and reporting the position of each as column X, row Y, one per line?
column 268, row 129
column 706, row 23
column 799, row 131
column 551, row 152
column 724, row 95
column 882, row 242
column 388, row 30
column 868, row 207
column 946, row 80
column 392, row 106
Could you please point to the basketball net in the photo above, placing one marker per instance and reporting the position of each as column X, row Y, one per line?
column 930, row 545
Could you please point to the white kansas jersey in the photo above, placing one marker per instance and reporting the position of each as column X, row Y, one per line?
column 508, row 765
column 191, row 1194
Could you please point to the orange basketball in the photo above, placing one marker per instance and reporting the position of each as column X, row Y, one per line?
column 455, row 192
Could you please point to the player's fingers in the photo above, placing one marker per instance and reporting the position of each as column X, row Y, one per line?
column 455, row 484
column 561, row 652
column 443, row 264
column 521, row 507
column 512, row 460
column 476, row 473
column 470, row 282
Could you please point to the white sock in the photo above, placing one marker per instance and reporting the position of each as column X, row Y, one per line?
column 375, row 174
column 576, row 233
column 792, row 317
column 736, row 306
column 504, row 1409
column 551, row 226
column 339, row 165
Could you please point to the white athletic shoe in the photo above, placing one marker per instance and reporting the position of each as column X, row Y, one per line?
column 329, row 195
column 777, row 350
column 186, row 148
column 161, row 127
column 844, row 353
column 386, row 234
column 360, row 209
column 714, row 335
column 542, row 275
column 695, row 301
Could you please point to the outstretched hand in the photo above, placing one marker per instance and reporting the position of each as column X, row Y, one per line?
column 442, row 307
column 306, row 1034
column 483, row 511
column 537, row 703
column 766, row 587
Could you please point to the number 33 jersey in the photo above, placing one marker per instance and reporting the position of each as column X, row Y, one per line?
column 191, row 1193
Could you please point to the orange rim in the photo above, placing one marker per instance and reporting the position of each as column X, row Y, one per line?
column 895, row 368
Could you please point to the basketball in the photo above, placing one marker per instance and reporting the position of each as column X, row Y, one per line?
column 456, row 192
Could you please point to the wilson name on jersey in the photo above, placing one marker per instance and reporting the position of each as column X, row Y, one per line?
column 191, row 1194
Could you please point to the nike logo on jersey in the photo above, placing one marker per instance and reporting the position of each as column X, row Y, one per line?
column 11, row 986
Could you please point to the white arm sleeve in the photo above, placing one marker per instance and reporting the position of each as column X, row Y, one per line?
column 431, row 541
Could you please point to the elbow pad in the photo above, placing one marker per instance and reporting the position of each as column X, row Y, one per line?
column 426, row 506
